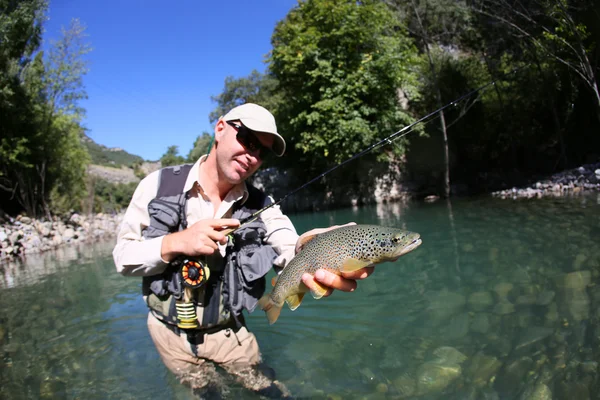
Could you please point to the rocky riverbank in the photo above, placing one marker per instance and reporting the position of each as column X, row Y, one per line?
column 22, row 235
column 576, row 180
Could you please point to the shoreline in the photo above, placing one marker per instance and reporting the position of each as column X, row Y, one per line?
column 22, row 236
column 585, row 178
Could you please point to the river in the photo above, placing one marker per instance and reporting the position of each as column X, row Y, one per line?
column 501, row 301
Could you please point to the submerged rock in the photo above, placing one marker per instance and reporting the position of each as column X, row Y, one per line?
column 504, row 307
column 447, row 354
column 443, row 305
column 502, row 289
column 537, row 392
column 531, row 336
column 480, row 301
column 406, row 385
column 433, row 377
column 482, row 369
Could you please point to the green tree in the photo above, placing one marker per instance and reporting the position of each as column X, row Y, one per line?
column 63, row 150
column 201, row 147
column 340, row 66
column 436, row 24
column 41, row 152
column 21, row 31
column 557, row 29
column 171, row 157
column 255, row 88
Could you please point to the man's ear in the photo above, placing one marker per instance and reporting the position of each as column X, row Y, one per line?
column 219, row 130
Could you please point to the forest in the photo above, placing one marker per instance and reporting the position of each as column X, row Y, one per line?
column 510, row 86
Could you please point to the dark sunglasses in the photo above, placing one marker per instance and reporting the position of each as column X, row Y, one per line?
column 249, row 140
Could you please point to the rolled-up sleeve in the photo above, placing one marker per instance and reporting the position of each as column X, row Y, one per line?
column 281, row 235
column 133, row 254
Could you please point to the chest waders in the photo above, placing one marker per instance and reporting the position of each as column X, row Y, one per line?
column 207, row 293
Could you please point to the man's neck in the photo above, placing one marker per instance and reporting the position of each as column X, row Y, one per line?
column 214, row 185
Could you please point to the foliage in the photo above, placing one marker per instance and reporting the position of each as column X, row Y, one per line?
column 105, row 196
column 445, row 22
column 341, row 76
column 555, row 29
column 340, row 65
column 201, row 146
column 65, row 68
column 171, row 157
column 68, row 175
column 255, row 88
column 41, row 156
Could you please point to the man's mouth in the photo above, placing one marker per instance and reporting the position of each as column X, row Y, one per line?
column 244, row 166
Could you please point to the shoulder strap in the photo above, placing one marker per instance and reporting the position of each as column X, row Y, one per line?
column 257, row 199
column 172, row 180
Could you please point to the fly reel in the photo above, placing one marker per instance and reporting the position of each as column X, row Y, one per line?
column 194, row 273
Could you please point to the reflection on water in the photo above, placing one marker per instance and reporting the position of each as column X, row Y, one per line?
column 500, row 302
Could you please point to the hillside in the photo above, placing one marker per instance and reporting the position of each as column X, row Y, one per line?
column 112, row 157
column 116, row 165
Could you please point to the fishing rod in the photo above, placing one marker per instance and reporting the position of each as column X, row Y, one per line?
column 387, row 140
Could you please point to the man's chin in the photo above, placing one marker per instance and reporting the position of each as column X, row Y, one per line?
column 235, row 177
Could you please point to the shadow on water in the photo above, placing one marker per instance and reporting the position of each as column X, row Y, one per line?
column 500, row 302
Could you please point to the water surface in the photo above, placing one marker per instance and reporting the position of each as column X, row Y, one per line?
column 499, row 302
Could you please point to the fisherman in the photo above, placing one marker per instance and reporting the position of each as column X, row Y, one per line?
column 196, row 279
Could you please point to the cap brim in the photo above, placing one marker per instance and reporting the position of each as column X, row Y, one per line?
column 278, row 146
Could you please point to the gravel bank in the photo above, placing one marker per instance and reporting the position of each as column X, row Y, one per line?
column 584, row 178
column 23, row 235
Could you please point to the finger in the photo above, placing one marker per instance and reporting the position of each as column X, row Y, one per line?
column 206, row 250
column 309, row 281
column 225, row 223
column 211, row 242
column 216, row 236
column 335, row 281
column 359, row 274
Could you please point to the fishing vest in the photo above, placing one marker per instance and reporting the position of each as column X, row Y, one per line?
column 236, row 282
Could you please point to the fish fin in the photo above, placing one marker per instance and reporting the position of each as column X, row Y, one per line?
column 294, row 300
column 274, row 280
column 319, row 290
column 271, row 309
column 352, row 264
column 303, row 240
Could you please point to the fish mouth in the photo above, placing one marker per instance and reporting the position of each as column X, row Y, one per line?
column 400, row 251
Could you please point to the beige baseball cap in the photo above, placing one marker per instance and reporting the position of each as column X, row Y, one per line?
column 259, row 119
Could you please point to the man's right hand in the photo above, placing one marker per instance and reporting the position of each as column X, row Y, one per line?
column 199, row 239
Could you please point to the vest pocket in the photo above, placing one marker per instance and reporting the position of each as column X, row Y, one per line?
column 253, row 264
column 164, row 215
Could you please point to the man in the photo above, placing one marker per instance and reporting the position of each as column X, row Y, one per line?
column 178, row 215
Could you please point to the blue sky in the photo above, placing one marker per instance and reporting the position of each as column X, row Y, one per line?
column 155, row 64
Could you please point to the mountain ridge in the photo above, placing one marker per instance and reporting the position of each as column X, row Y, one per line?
column 116, row 165
column 110, row 156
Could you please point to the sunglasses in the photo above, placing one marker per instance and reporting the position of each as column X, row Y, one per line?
column 250, row 142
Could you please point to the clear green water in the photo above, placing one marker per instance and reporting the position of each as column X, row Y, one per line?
column 507, row 289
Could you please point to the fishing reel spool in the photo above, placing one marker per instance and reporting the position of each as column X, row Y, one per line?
column 194, row 274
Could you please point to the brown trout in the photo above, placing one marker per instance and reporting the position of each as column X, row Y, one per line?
column 344, row 249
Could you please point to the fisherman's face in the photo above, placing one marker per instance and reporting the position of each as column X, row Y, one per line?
column 236, row 159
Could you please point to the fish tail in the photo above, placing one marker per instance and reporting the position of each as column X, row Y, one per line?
column 270, row 308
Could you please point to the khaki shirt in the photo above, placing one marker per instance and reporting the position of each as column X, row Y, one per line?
column 136, row 256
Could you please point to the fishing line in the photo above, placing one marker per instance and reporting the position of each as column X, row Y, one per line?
column 386, row 140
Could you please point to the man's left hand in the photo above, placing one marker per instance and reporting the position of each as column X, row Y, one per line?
column 346, row 282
